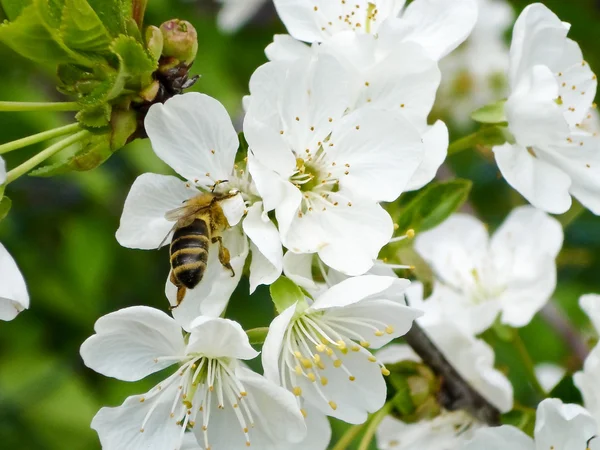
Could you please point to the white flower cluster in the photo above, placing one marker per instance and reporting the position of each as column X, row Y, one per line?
column 336, row 127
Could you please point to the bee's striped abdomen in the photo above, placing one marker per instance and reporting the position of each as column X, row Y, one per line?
column 189, row 253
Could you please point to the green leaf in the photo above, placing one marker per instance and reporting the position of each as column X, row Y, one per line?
column 113, row 14
column 95, row 117
column 503, row 332
column 82, row 29
column 103, row 91
column 136, row 64
column 492, row 113
column 5, row 205
column 257, row 336
column 566, row 391
column 124, row 124
column 420, row 268
column 433, row 205
column 284, row 293
column 13, row 8
column 522, row 419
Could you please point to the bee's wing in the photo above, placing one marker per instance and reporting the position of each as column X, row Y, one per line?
column 164, row 241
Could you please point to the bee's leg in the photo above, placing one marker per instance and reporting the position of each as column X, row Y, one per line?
column 224, row 255
column 181, row 290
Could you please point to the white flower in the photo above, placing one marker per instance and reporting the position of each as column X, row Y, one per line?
column 448, row 431
column 474, row 74
column 322, row 169
column 14, row 297
column 2, row 171
column 226, row 405
column 558, row 426
column 552, row 90
column 513, row 274
column 471, row 357
column 235, row 13
column 439, row 26
column 194, row 135
column 587, row 379
column 320, row 352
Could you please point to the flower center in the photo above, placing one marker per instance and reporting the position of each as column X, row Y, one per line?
column 203, row 385
column 314, row 341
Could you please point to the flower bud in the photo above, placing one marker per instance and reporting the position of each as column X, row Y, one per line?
column 180, row 40
column 154, row 41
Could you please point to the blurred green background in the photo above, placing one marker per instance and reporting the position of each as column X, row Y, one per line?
column 61, row 232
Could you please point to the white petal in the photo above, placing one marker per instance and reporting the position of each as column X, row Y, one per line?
column 534, row 118
column 587, row 382
column 14, row 297
column 395, row 353
column 274, row 343
column 298, row 268
column 439, row 25
column 277, row 407
column 190, row 442
column 356, row 289
column 219, row 338
column 143, row 224
column 436, row 141
column 549, row 375
column 563, row 426
column 332, row 233
column 539, row 37
column 353, row 399
column 501, row 438
column 300, row 20
column 128, row 342
column 234, row 209
column 381, row 152
column 454, row 248
column 211, row 296
column 120, row 428
column 286, row 48
column 2, row 171
column 267, row 253
column 474, row 360
column 277, row 193
column 194, row 135
column 318, row 434
column 399, row 318
column 590, row 303
column 542, row 184
column 236, row 13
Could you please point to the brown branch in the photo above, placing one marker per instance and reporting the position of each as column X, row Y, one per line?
column 457, row 393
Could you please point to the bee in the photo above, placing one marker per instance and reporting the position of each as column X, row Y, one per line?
column 199, row 223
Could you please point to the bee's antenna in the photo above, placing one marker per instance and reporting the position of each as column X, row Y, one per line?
column 218, row 182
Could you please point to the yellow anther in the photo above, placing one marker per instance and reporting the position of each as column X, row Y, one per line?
column 316, row 358
column 379, row 333
column 365, row 344
column 142, row 400
column 341, row 344
column 355, row 348
column 333, row 405
column 247, row 443
column 329, row 351
column 243, row 393
column 297, row 354
column 187, row 404
column 344, row 350
column 307, row 363
column 311, row 376
column 372, row 358
column 246, row 430
column 298, row 370
column 410, row 233
column 297, row 391
column 396, row 226
column 385, row 372
column 324, row 381
column 303, row 411
column 321, row 348
column 389, row 329
column 141, row 430
column 320, row 365
column 352, row 378
column 337, row 363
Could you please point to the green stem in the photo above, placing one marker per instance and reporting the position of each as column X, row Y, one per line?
column 529, row 365
column 373, row 424
column 464, row 143
column 44, row 155
column 39, row 106
column 40, row 137
column 572, row 214
column 348, row 437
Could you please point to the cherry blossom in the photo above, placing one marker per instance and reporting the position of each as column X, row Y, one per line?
column 14, row 297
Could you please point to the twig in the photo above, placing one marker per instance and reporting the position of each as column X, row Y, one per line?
column 456, row 392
